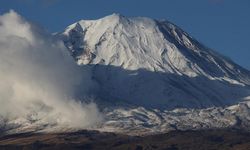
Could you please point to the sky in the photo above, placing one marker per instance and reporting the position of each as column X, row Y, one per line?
column 223, row 25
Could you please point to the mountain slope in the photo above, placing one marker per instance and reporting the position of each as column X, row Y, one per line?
column 154, row 64
column 189, row 140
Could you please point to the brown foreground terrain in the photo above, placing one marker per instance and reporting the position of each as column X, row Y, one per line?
column 176, row 140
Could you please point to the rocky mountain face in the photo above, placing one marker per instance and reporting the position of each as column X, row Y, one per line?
column 154, row 64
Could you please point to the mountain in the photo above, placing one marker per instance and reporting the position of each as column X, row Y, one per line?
column 145, row 76
column 154, row 64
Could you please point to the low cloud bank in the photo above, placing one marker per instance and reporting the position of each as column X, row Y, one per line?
column 39, row 78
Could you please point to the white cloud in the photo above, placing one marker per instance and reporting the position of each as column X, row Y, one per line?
column 38, row 77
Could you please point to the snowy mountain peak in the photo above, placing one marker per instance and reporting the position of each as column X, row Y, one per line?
column 143, row 43
column 159, row 51
column 114, row 16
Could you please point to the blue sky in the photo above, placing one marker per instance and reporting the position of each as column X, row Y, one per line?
column 223, row 25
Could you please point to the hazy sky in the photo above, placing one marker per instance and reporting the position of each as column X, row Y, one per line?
column 223, row 25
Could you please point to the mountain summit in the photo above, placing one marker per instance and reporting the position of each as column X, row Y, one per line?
column 154, row 63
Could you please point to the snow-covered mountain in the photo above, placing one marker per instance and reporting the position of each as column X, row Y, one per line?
column 146, row 77
column 154, row 63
